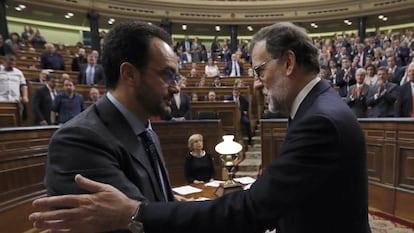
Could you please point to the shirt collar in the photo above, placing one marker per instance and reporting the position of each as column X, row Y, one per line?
column 301, row 96
column 137, row 126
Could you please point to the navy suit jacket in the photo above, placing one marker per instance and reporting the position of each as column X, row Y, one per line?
column 405, row 101
column 98, row 77
column 228, row 68
column 42, row 105
column 101, row 145
column 358, row 104
column 398, row 74
column 185, row 107
column 308, row 188
column 344, row 84
column 384, row 105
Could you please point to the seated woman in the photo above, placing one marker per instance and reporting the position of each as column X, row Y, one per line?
column 199, row 166
column 211, row 69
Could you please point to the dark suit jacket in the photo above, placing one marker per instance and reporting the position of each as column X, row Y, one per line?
column 358, row 104
column 398, row 74
column 383, row 106
column 101, row 145
column 228, row 68
column 98, row 77
column 344, row 84
column 185, row 107
column 404, row 101
column 42, row 105
column 309, row 188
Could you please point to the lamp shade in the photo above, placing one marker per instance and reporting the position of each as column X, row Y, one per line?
column 228, row 146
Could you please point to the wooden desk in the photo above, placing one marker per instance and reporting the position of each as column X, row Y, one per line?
column 208, row 192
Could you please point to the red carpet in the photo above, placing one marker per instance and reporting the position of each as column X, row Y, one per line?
column 384, row 223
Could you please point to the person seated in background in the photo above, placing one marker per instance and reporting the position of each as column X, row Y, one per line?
column 67, row 104
column 202, row 82
column 42, row 77
column 51, row 59
column 239, row 83
column 79, row 59
column 5, row 48
column 382, row 96
column 194, row 97
column 217, row 82
column 250, row 72
column 211, row 69
column 15, row 42
column 198, row 167
column 91, row 73
column 43, row 100
column 193, row 73
column 358, row 93
column 243, row 104
column 180, row 107
column 211, row 96
column 94, row 94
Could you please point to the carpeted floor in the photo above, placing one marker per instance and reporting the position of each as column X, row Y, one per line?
column 382, row 223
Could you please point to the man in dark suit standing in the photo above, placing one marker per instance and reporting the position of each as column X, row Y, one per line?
column 405, row 101
column 301, row 191
column 91, row 73
column 358, row 93
column 108, row 141
column 43, row 100
column 186, row 44
column 382, row 96
column 345, row 77
column 180, row 107
column 233, row 68
column 243, row 104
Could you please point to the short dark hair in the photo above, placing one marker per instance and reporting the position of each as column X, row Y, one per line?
column 129, row 42
column 50, row 76
column 284, row 36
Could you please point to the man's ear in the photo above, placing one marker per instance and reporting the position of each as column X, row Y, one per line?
column 290, row 62
column 129, row 74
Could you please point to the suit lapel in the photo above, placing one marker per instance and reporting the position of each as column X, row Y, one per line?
column 121, row 130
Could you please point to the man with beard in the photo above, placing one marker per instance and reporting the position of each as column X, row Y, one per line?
column 106, row 141
column 307, row 189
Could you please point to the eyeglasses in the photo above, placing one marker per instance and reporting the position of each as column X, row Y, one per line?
column 170, row 77
column 258, row 70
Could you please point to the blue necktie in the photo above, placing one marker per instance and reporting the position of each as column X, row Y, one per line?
column 151, row 150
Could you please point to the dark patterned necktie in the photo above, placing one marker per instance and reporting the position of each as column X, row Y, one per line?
column 151, row 150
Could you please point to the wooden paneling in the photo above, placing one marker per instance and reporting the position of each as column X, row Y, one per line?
column 221, row 92
column 22, row 166
column 228, row 112
column 174, row 137
column 9, row 114
column 390, row 160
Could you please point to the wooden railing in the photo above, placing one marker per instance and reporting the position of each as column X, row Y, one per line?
column 390, row 158
column 23, row 153
column 9, row 114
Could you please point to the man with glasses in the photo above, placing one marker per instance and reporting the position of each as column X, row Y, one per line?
column 107, row 142
column 318, row 183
